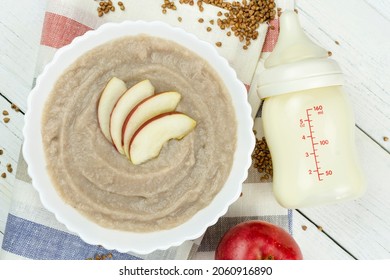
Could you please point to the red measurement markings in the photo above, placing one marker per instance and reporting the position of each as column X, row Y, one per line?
column 313, row 144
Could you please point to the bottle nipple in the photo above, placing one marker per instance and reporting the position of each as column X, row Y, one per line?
column 296, row 63
column 293, row 44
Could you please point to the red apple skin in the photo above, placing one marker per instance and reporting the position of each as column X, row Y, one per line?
column 257, row 240
column 133, row 111
column 148, row 122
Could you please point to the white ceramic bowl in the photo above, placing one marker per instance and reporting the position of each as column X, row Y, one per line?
column 122, row 241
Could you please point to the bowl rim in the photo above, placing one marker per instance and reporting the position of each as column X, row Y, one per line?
column 123, row 241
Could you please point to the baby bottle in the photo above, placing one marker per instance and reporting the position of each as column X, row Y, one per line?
column 308, row 122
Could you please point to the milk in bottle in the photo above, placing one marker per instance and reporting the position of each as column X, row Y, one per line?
column 308, row 122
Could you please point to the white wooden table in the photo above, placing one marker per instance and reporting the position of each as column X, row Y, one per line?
column 357, row 32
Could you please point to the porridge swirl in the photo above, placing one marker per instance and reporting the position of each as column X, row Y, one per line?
column 91, row 176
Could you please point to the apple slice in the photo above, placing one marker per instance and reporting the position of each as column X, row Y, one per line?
column 108, row 98
column 123, row 107
column 148, row 108
column 149, row 138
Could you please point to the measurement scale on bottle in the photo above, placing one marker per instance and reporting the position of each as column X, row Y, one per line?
column 316, row 144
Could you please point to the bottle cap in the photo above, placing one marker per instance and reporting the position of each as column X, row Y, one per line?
column 296, row 63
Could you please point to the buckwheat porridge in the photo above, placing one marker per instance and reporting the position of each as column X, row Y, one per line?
column 91, row 175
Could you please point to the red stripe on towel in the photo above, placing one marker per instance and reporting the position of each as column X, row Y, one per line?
column 59, row 30
column 272, row 36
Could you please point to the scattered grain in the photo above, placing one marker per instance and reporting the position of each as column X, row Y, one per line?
column 179, row 19
column 201, row 20
column 168, row 5
column 304, row 228
column 99, row 257
column 337, row 42
column 121, row 6
column 104, row 7
column 262, row 161
column 208, row 29
column 6, row 120
column 9, row 168
column 320, row 228
column 330, row 53
column 1, row 152
column 385, row 138
column 200, row 5
column 14, row 107
column 5, row 113
column 218, row 44
column 3, row 175
column 242, row 18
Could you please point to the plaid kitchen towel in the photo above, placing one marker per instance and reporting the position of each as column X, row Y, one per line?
column 32, row 232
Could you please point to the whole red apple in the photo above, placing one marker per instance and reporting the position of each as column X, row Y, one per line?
column 257, row 240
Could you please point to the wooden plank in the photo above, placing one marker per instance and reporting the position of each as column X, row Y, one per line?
column 20, row 29
column 314, row 243
column 358, row 34
column 362, row 226
column 11, row 140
